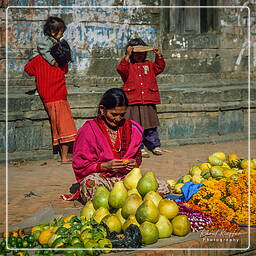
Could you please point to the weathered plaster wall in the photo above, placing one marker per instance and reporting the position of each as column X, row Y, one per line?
column 204, row 87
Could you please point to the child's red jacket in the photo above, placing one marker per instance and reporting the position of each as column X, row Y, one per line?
column 50, row 80
column 139, row 79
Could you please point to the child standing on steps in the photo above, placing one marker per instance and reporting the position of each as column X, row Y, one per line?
column 140, row 86
column 53, row 32
column 51, row 86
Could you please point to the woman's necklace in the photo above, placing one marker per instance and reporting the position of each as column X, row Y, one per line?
column 114, row 136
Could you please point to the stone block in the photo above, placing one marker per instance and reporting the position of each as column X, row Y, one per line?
column 191, row 127
column 202, row 78
column 230, row 122
column 28, row 136
column 232, row 94
column 102, row 67
column 17, row 104
column 46, row 135
column 171, row 96
column 84, row 100
column 201, row 96
column 11, row 137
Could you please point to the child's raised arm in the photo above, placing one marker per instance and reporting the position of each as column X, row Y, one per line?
column 123, row 67
column 159, row 64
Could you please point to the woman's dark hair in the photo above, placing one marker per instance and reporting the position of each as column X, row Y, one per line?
column 114, row 97
column 54, row 25
column 61, row 52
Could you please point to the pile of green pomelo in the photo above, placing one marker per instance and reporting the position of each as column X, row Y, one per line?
column 135, row 201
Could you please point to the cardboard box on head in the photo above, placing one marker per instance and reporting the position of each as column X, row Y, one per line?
column 140, row 48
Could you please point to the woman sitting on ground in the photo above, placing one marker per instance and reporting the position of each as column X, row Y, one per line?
column 107, row 147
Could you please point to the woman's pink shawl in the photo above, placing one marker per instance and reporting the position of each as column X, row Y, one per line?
column 91, row 148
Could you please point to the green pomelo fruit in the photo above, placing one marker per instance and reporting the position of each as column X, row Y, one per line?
column 154, row 197
column 215, row 161
column 147, row 183
column 168, row 208
column 117, row 195
column 132, row 178
column 88, row 210
column 113, row 223
column 149, row 233
column 130, row 205
column 100, row 198
column 164, row 227
column 133, row 191
column 216, row 172
column 181, row 225
column 147, row 211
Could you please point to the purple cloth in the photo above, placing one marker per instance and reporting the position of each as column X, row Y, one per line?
column 151, row 139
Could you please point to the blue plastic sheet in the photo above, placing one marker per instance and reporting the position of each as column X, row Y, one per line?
column 188, row 190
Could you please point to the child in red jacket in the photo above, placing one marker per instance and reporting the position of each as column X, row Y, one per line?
column 140, row 86
column 51, row 86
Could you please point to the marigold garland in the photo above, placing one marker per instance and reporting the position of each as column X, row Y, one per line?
column 226, row 200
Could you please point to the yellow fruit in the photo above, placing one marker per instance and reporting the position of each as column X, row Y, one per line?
column 35, row 228
column 214, row 160
column 181, row 225
column 133, row 191
column 225, row 165
column 245, row 164
column 252, row 171
column 45, row 236
column 131, row 205
column 229, row 173
column 105, row 243
column 67, row 225
column 205, row 166
column 52, row 239
column 68, row 218
column 220, row 155
column 112, row 222
column 154, row 197
column 131, row 220
column 177, row 188
column 88, row 210
column 254, row 163
column 84, row 227
column 164, row 227
column 100, row 213
column 147, row 211
column 132, row 178
column 186, row 178
column 216, row 172
column 233, row 157
column 195, row 170
column 149, row 233
column 168, row 208
column 197, row 179
column 117, row 195
column 172, row 183
column 120, row 216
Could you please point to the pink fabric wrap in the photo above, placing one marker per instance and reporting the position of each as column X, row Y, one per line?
column 91, row 148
